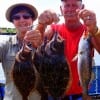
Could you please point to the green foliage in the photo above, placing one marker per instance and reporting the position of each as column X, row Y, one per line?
column 7, row 30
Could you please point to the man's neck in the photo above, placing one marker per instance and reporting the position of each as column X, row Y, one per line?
column 74, row 26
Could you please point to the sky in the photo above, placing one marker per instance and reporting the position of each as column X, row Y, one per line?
column 41, row 5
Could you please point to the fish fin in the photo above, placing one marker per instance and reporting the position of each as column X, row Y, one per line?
column 85, row 34
column 92, row 76
column 75, row 58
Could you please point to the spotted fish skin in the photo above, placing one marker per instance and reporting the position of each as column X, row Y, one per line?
column 23, row 72
column 84, row 63
column 52, row 66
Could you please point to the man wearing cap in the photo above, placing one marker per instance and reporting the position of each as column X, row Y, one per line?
column 71, row 30
column 22, row 16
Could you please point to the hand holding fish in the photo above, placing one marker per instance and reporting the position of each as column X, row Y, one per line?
column 34, row 37
column 89, row 19
column 48, row 17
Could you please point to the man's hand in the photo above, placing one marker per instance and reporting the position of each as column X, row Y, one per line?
column 34, row 37
column 89, row 19
column 48, row 17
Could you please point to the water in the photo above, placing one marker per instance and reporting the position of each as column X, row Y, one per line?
column 97, row 58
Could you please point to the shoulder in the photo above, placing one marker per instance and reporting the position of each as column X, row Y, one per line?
column 57, row 26
column 53, row 28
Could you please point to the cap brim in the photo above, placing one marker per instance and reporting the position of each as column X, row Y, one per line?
column 31, row 7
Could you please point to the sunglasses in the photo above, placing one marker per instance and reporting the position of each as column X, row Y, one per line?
column 18, row 16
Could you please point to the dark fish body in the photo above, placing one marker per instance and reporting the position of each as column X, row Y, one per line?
column 85, row 62
column 52, row 66
column 23, row 73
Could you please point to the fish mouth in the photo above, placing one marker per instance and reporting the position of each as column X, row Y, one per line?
column 56, row 46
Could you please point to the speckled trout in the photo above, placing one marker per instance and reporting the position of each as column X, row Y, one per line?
column 84, row 63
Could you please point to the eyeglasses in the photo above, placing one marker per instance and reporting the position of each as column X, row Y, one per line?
column 18, row 16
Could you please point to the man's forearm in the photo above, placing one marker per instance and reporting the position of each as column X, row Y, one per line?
column 96, row 40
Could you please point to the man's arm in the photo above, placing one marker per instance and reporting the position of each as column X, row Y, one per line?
column 96, row 40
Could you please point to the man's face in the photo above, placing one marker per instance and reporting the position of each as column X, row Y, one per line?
column 70, row 8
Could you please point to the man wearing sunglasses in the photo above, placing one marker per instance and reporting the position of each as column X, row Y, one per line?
column 22, row 16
